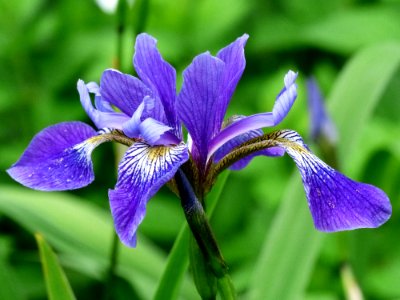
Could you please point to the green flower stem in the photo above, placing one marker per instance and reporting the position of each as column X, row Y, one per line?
column 226, row 288
column 178, row 258
column 142, row 9
column 203, row 277
column 213, row 265
column 198, row 224
column 111, row 269
column 121, row 21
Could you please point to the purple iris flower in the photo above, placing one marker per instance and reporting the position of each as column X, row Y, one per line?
column 148, row 121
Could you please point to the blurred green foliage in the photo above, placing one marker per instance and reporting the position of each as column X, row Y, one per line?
column 350, row 46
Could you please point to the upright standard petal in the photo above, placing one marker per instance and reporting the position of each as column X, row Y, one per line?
column 159, row 75
column 141, row 173
column 235, row 62
column 58, row 158
column 336, row 202
column 198, row 101
column 127, row 92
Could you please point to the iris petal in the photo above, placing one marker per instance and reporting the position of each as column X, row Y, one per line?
column 141, row 173
column 240, row 139
column 58, row 158
column 127, row 92
column 132, row 127
column 102, row 119
column 242, row 126
column 151, row 130
column 336, row 202
column 235, row 63
column 157, row 74
column 198, row 101
column 286, row 98
column 100, row 104
column 281, row 108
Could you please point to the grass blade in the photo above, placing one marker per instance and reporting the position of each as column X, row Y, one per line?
column 58, row 287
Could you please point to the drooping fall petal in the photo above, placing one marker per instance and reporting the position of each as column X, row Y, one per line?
column 58, row 158
column 141, row 173
column 336, row 201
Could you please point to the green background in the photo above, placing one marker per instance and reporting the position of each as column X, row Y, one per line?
column 261, row 219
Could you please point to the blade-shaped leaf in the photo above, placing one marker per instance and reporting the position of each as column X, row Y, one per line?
column 357, row 91
column 58, row 287
column 290, row 249
column 80, row 229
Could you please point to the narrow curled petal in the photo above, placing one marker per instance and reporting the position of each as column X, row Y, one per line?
column 281, row 108
column 286, row 98
column 321, row 124
column 198, row 101
column 141, row 173
column 58, row 158
column 157, row 74
column 102, row 119
column 132, row 127
column 240, row 139
column 336, row 202
column 151, row 131
column 100, row 104
column 239, row 127
column 235, row 62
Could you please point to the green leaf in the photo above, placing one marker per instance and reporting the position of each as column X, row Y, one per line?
column 57, row 284
column 357, row 91
column 292, row 245
column 83, row 232
column 350, row 30
column 178, row 259
column 11, row 285
column 342, row 31
column 289, row 251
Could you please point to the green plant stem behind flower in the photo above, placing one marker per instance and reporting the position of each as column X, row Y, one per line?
column 208, row 262
column 171, row 280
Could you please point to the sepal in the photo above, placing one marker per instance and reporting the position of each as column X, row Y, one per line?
column 141, row 173
column 58, row 158
column 336, row 202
